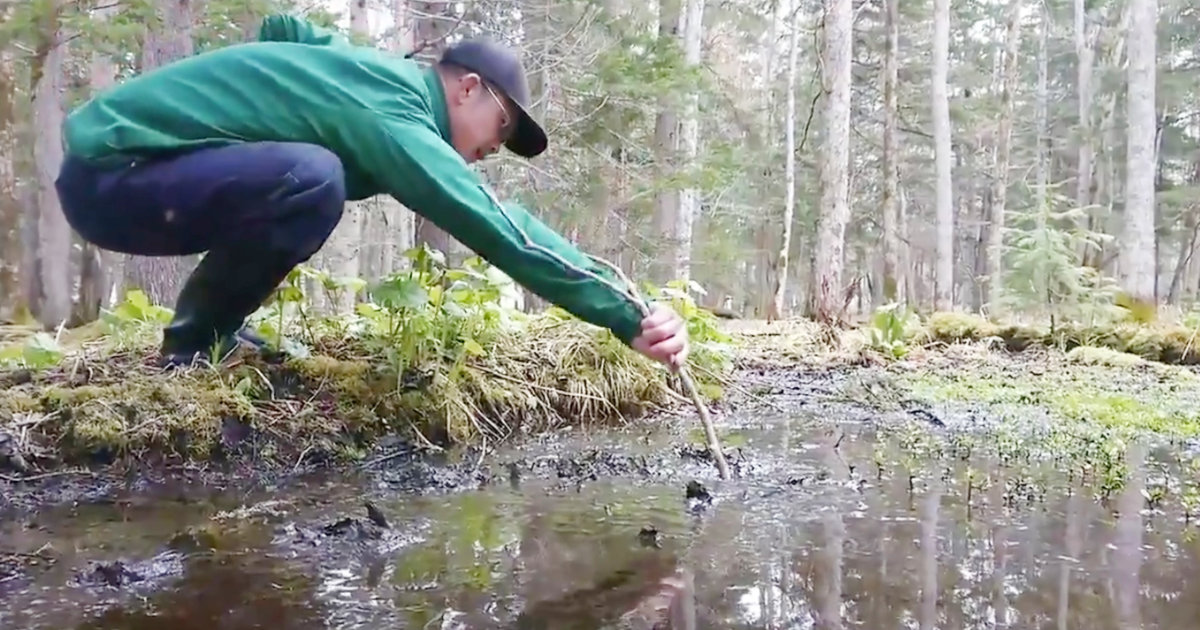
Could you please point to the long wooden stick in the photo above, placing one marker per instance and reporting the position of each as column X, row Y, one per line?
column 629, row 292
column 685, row 377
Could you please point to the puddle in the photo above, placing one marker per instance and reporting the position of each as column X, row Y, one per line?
column 863, row 535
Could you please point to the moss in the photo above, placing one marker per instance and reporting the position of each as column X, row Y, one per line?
column 1159, row 342
column 1090, row 355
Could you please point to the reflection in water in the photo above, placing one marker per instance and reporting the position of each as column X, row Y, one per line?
column 842, row 547
column 1127, row 540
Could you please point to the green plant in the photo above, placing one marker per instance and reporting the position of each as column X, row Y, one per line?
column 888, row 326
column 39, row 352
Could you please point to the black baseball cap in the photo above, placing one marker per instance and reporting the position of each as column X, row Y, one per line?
column 499, row 65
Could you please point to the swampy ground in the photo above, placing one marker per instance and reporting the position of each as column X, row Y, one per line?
column 959, row 487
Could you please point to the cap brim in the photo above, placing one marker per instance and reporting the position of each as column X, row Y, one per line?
column 528, row 139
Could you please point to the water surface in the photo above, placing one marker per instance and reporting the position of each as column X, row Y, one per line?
column 832, row 527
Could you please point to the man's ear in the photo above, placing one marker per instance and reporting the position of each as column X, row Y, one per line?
column 468, row 83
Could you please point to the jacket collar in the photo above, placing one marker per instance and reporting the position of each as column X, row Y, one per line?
column 437, row 96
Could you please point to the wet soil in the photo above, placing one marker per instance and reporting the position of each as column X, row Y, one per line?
column 833, row 515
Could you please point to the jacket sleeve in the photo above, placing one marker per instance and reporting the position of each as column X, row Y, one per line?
column 410, row 161
column 289, row 28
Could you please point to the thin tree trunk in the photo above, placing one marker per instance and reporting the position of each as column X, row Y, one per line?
column 944, row 279
column 1137, row 245
column 1084, row 50
column 789, row 205
column 10, row 210
column 666, row 147
column 827, row 296
column 680, row 236
column 54, row 234
column 1043, row 138
column 168, row 39
column 1003, row 144
column 892, row 288
column 96, row 274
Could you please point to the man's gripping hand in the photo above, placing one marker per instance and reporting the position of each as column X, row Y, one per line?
column 663, row 336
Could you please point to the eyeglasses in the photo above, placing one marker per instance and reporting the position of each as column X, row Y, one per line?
column 505, row 124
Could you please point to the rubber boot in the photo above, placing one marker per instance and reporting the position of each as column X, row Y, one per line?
column 226, row 287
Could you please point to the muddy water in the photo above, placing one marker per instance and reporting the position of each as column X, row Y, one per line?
column 828, row 527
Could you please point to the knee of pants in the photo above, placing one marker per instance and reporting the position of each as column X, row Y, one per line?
column 321, row 187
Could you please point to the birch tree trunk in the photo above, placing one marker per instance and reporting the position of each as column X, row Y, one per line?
column 54, row 234
column 666, row 147
column 1137, row 247
column 892, row 290
column 168, row 39
column 789, row 205
column 944, row 278
column 1003, row 146
column 835, row 163
column 680, row 236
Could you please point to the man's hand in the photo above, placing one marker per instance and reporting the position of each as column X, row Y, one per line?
column 663, row 337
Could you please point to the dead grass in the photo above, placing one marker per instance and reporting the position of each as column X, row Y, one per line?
column 108, row 406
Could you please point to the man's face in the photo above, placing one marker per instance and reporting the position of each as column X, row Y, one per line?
column 481, row 119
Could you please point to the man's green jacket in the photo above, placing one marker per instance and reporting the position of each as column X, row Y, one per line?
column 383, row 115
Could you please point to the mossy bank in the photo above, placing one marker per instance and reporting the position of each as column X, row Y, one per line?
column 100, row 407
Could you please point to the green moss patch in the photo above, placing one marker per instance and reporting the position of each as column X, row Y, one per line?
column 1165, row 343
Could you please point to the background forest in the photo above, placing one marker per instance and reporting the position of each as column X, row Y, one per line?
column 1017, row 158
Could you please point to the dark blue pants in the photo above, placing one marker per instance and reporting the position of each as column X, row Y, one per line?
column 257, row 209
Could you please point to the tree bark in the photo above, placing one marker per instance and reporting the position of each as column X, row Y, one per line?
column 789, row 205
column 1137, row 247
column 168, row 39
column 11, row 248
column 666, row 147
column 944, row 278
column 1085, row 52
column 892, row 288
column 1003, row 144
column 680, row 237
column 54, row 234
column 835, row 163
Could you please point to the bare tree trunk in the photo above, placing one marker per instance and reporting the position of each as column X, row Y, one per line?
column 54, row 234
column 827, row 294
column 944, row 280
column 1084, row 42
column 666, row 147
column 1003, row 144
column 679, row 259
column 95, row 273
column 892, row 288
column 1041, row 283
column 167, row 40
column 1137, row 246
column 789, row 205
column 11, row 248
